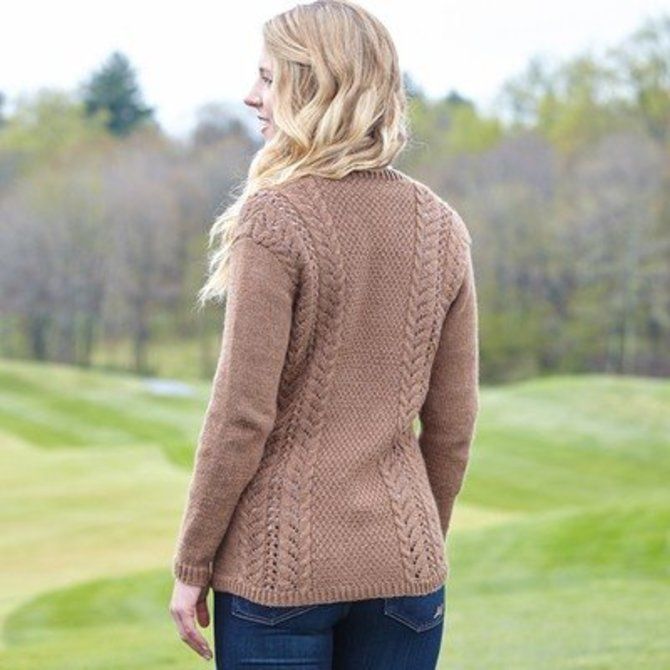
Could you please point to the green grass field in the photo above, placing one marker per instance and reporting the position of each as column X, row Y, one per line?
column 559, row 552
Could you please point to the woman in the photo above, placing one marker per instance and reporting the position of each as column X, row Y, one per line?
column 315, row 513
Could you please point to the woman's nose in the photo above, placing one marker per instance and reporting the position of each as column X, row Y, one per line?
column 251, row 101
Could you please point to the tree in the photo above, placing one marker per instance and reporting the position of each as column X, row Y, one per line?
column 642, row 63
column 114, row 90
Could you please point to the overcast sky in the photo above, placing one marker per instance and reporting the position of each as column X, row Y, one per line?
column 190, row 53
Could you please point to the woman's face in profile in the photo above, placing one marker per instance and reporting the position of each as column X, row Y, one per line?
column 259, row 96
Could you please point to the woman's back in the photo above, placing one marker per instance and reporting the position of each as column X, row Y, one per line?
column 351, row 311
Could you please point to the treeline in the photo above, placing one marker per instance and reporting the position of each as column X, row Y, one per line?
column 565, row 186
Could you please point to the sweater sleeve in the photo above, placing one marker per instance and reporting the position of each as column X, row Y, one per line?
column 450, row 408
column 243, row 401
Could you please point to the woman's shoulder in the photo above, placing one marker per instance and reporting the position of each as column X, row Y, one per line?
column 435, row 205
column 270, row 219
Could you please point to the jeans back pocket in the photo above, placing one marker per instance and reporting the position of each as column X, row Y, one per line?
column 418, row 612
column 270, row 615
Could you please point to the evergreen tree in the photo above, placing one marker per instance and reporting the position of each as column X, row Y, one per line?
column 114, row 88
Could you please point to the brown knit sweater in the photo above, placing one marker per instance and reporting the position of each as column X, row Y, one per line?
column 351, row 311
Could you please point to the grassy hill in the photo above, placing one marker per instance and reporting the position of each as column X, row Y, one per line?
column 559, row 554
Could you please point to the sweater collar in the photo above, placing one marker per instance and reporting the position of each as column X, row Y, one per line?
column 387, row 173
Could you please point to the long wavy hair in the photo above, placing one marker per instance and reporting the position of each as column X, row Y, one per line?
column 339, row 104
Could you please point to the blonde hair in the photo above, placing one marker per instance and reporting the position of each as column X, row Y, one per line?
column 339, row 104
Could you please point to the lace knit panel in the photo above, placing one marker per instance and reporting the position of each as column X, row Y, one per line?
column 268, row 218
column 276, row 506
column 415, row 527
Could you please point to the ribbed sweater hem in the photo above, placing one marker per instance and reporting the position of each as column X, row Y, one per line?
column 332, row 594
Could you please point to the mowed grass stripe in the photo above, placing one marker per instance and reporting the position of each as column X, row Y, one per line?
column 112, row 415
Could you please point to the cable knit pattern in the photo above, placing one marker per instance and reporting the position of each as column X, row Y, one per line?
column 266, row 218
column 351, row 312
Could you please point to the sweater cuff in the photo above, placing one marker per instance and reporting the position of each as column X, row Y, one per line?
column 194, row 575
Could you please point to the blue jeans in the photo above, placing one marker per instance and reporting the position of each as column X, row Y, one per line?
column 398, row 633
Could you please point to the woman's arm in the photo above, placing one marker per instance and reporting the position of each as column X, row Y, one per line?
column 450, row 409
column 242, row 405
